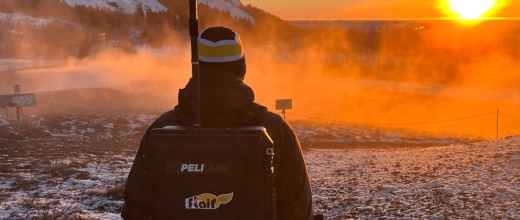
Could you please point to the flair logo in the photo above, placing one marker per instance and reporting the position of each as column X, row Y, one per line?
column 207, row 201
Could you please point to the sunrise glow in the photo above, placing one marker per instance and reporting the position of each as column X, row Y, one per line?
column 471, row 9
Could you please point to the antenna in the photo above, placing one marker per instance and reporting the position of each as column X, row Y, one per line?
column 194, row 33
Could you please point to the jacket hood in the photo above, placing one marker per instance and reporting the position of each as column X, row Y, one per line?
column 222, row 95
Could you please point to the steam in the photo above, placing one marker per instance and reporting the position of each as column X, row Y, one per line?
column 452, row 71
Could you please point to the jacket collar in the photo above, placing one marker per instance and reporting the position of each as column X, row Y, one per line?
column 221, row 92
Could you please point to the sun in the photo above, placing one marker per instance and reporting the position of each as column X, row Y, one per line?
column 471, row 9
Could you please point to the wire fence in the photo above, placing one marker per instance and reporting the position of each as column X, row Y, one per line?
column 497, row 113
column 509, row 117
column 337, row 121
column 332, row 120
column 407, row 123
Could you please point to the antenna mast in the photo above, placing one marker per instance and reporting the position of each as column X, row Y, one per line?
column 194, row 33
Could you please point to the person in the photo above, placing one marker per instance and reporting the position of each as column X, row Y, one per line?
column 225, row 101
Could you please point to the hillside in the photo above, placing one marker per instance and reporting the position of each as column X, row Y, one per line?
column 120, row 5
column 56, row 29
column 156, row 6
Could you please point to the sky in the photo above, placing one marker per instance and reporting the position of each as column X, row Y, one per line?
column 375, row 9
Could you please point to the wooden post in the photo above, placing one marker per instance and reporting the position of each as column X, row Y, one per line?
column 283, row 111
column 497, row 122
column 18, row 119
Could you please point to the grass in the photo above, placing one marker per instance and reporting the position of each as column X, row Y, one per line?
column 77, row 164
column 66, row 169
column 4, row 196
column 83, row 175
column 24, row 184
column 116, row 192
column 51, row 209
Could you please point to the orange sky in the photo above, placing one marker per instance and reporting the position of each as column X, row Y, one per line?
column 371, row 9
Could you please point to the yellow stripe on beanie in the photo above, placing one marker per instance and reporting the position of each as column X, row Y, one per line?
column 221, row 51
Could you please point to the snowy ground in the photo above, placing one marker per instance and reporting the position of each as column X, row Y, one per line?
column 344, row 136
column 74, row 167
column 473, row 181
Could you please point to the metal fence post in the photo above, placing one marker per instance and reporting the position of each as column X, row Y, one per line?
column 497, row 122
column 19, row 120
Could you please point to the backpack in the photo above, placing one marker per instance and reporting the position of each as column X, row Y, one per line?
column 211, row 173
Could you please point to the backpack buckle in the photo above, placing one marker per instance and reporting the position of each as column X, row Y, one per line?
column 269, row 151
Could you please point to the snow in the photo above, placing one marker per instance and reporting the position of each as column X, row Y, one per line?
column 14, row 18
column 126, row 6
column 231, row 6
column 479, row 180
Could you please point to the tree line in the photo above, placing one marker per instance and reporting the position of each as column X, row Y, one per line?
column 62, row 37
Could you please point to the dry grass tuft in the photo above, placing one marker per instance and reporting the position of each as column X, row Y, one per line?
column 50, row 209
column 116, row 192
column 77, row 164
column 83, row 175
column 24, row 184
column 65, row 170
column 4, row 196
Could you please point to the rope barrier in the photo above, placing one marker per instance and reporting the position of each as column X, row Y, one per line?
column 509, row 117
column 411, row 123
column 332, row 120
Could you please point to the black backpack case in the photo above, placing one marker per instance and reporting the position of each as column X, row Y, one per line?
column 210, row 173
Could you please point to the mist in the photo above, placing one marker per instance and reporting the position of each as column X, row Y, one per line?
column 425, row 76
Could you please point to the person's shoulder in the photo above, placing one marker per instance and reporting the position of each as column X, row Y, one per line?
column 272, row 117
column 168, row 118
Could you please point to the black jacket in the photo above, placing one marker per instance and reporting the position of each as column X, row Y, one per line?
column 223, row 100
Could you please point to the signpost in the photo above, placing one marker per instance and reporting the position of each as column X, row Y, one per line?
column 17, row 100
column 283, row 104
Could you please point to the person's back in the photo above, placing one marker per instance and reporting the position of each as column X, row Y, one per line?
column 225, row 102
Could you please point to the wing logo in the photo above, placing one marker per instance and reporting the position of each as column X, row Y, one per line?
column 208, row 201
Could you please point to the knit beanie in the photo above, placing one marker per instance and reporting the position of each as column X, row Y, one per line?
column 221, row 48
